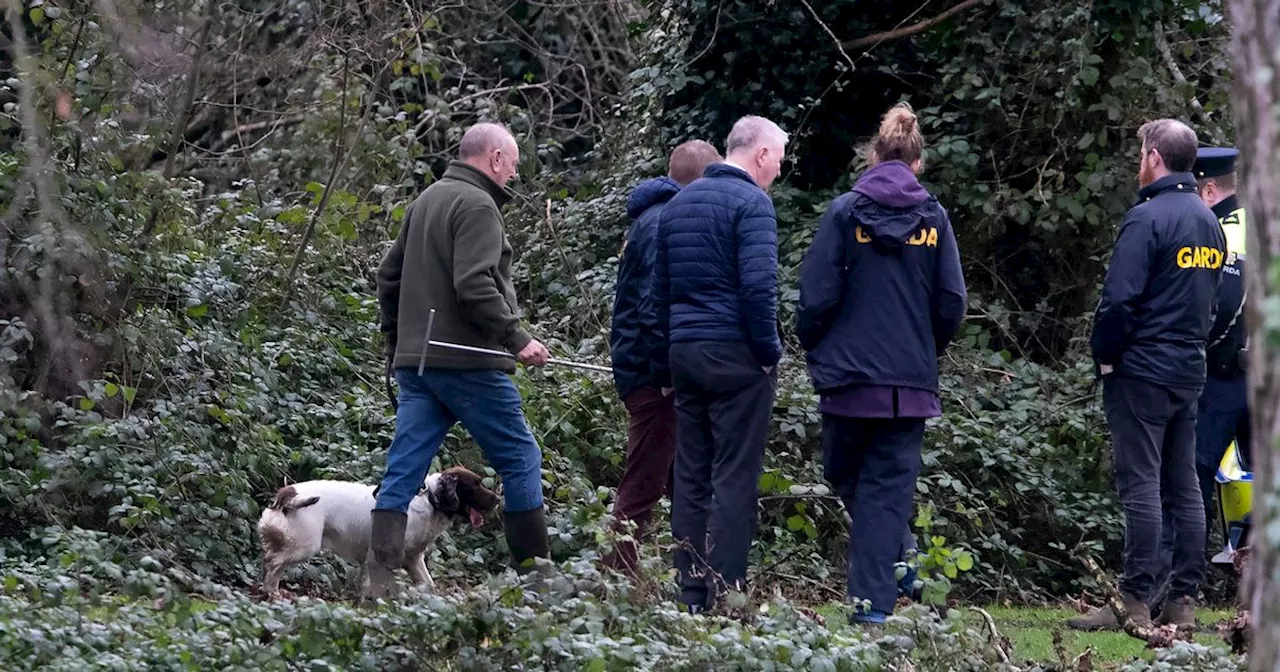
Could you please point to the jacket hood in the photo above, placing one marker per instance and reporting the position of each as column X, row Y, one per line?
column 890, row 211
column 893, row 185
column 650, row 193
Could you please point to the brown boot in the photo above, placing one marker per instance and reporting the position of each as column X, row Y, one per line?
column 1180, row 612
column 386, row 552
column 1101, row 618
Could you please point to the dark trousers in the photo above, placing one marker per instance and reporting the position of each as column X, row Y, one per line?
column 1153, row 429
column 651, row 450
column 873, row 463
column 724, row 408
column 1223, row 415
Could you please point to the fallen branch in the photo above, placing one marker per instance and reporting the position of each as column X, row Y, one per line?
column 907, row 31
column 259, row 125
column 1156, row 637
column 1001, row 644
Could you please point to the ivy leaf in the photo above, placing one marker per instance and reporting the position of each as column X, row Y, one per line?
column 111, row 390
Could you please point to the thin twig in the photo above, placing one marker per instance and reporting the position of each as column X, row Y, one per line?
column 328, row 190
column 339, row 160
column 835, row 39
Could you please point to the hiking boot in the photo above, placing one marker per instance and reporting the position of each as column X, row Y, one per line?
column 1180, row 612
column 526, row 533
column 386, row 551
column 1101, row 618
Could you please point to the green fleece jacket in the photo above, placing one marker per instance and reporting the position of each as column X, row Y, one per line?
column 452, row 255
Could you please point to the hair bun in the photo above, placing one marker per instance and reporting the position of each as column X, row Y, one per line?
column 899, row 137
column 899, row 121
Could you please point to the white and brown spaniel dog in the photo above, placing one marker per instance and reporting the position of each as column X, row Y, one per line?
column 324, row 514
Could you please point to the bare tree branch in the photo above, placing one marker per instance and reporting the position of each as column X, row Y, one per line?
column 1162, row 45
column 907, row 31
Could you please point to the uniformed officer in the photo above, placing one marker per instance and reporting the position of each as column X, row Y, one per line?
column 1150, row 334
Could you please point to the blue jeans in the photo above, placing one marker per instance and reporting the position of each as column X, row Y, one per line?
column 488, row 406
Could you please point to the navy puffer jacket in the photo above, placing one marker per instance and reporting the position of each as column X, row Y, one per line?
column 632, row 337
column 717, row 266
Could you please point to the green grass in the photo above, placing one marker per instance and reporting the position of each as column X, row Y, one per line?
column 1031, row 632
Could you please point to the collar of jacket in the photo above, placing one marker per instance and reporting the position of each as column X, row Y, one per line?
column 465, row 172
column 727, row 170
column 1183, row 182
column 1226, row 206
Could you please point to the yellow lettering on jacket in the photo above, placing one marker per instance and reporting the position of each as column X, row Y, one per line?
column 1199, row 257
column 927, row 237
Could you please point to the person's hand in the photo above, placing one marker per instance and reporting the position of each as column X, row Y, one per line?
column 534, row 354
column 1106, row 369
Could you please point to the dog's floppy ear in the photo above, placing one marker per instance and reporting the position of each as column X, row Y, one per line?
column 445, row 497
column 473, row 495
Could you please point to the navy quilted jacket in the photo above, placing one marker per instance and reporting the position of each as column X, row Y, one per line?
column 631, row 339
column 716, row 269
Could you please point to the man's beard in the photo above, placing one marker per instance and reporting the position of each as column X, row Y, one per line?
column 1144, row 175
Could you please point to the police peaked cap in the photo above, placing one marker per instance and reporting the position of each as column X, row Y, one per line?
column 1215, row 162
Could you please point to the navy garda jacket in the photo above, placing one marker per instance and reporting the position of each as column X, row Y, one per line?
column 1158, row 300
column 632, row 336
column 882, row 293
column 716, row 272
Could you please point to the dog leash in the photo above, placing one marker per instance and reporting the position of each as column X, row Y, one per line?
column 427, row 343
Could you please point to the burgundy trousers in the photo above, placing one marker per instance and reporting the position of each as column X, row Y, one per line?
column 651, row 450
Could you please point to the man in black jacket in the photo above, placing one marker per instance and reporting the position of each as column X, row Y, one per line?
column 1149, row 338
column 651, row 408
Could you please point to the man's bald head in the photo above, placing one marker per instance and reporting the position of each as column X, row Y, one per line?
column 491, row 149
column 483, row 138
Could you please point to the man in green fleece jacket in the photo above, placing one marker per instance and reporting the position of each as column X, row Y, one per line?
column 452, row 255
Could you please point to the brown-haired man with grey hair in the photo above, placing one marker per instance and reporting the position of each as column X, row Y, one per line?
column 452, row 256
column 1149, row 337
column 716, row 295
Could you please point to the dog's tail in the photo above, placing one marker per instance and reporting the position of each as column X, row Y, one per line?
column 287, row 501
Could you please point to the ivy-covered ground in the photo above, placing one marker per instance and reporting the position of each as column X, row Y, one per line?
column 189, row 226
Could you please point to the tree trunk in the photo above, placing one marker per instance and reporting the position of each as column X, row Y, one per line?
column 1255, row 36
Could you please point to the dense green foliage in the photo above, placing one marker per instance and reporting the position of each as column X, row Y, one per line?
column 163, row 369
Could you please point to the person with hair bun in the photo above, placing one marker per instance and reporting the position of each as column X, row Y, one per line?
column 882, row 295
